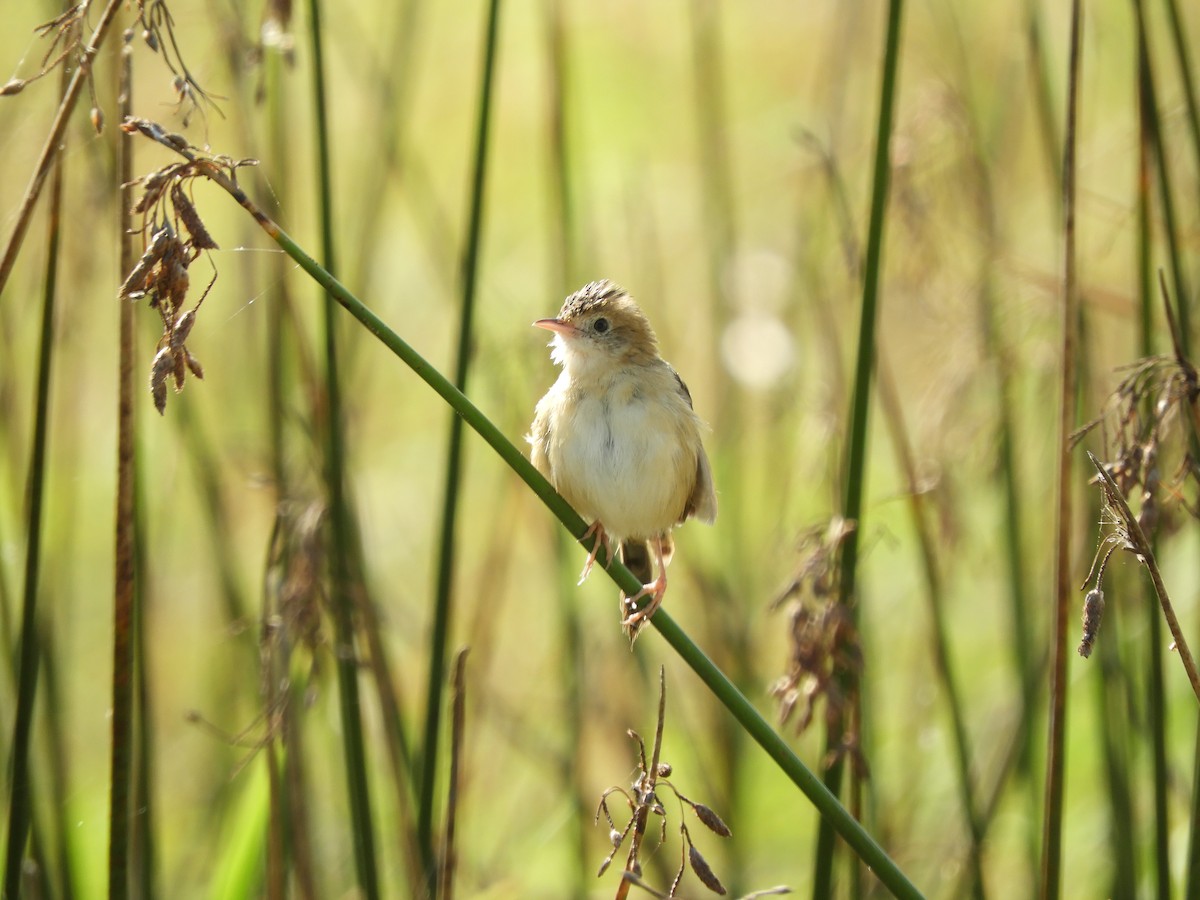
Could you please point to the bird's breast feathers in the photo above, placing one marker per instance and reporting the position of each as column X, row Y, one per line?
column 625, row 451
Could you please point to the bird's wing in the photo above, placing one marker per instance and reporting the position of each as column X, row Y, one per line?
column 702, row 503
column 683, row 388
column 539, row 436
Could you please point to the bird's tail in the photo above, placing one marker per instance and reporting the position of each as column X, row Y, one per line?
column 636, row 556
column 639, row 560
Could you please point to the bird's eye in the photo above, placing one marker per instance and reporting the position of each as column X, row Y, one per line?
column 601, row 325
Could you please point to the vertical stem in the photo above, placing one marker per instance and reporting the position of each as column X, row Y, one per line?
column 563, row 271
column 342, row 594
column 1166, row 196
column 855, row 469
column 20, row 801
column 445, row 575
column 1056, row 762
column 1043, row 95
column 125, row 576
column 1179, row 41
column 458, row 695
column 1155, row 683
column 935, row 594
column 281, row 764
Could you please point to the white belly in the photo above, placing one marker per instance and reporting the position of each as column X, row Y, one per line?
column 615, row 460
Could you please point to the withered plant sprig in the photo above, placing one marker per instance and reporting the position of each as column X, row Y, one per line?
column 1142, row 409
column 642, row 800
column 1128, row 535
column 158, row 31
column 65, row 32
column 1156, row 399
column 1157, row 394
column 53, row 141
column 173, row 236
column 824, row 643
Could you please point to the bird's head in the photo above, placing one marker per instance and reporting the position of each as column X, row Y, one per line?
column 600, row 325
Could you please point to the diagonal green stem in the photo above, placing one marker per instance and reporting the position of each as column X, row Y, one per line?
column 1140, row 545
column 751, row 720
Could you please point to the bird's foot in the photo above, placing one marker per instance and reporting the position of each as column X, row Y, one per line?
column 635, row 618
column 596, row 529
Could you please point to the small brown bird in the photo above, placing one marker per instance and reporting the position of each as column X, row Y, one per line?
column 617, row 436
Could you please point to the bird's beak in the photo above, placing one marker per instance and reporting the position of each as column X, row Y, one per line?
column 556, row 325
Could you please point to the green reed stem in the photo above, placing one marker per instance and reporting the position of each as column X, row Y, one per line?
column 1148, row 97
column 341, row 590
column 1155, row 680
column 125, row 529
column 563, row 256
column 935, row 594
column 1180, row 43
column 20, row 801
column 856, row 449
column 443, row 601
column 1114, row 730
column 1051, row 871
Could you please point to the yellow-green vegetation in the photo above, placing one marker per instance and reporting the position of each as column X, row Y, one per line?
column 872, row 238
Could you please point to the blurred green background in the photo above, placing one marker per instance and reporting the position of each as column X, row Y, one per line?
column 714, row 159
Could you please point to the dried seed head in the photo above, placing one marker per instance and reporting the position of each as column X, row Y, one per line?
column 161, row 240
column 159, row 392
column 1093, row 610
column 152, row 188
column 712, row 820
column 13, row 87
column 162, row 366
column 186, row 210
column 182, row 328
column 178, row 368
column 177, row 282
column 703, row 871
column 194, row 364
column 615, row 837
column 139, row 277
column 151, row 40
column 135, row 285
column 97, row 117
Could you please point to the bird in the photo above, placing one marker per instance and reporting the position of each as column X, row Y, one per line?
column 617, row 436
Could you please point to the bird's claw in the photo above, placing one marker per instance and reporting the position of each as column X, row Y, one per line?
column 635, row 618
column 596, row 529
